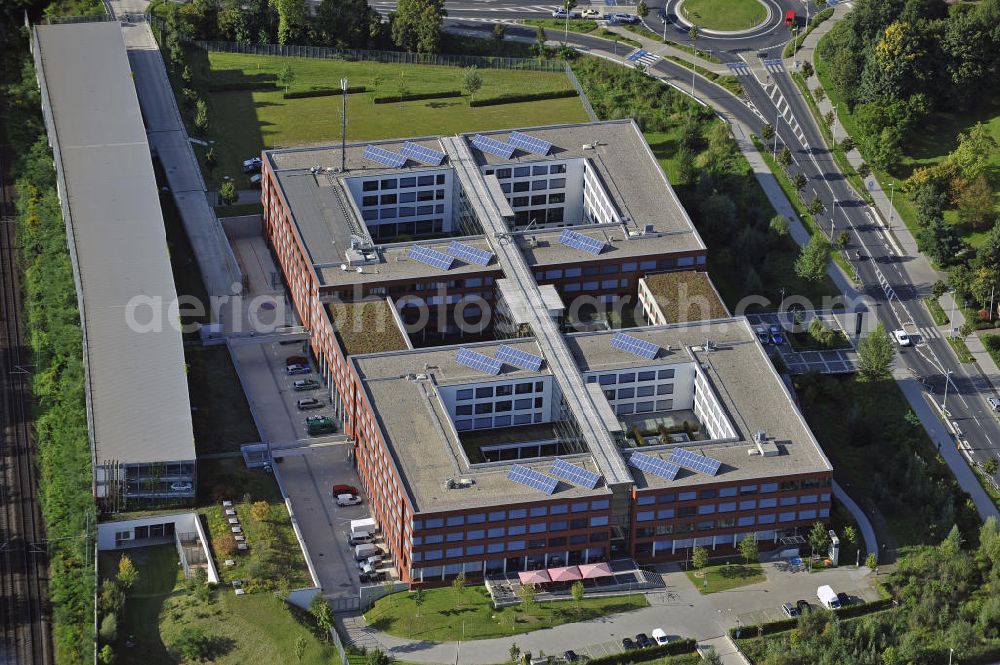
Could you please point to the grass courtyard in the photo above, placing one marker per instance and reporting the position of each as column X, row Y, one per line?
column 724, row 14
column 725, row 576
column 256, row 628
column 245, row 121
column 444, row 615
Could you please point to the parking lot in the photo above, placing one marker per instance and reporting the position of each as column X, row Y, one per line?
column 834, row 361
column 308, row 474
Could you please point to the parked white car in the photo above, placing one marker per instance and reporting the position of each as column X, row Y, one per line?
column 902, row 338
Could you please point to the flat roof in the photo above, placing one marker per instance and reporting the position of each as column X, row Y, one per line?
column 686, row 295
column 367, row 326
column 402, row 390
column 137, row 388
column 320, row 206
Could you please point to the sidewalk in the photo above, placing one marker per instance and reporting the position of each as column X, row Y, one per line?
column 725, row 650
column 987, row 366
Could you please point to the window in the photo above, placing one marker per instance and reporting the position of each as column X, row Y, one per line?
column 498, row 516
column 646, row 500
column 665, row 374
column 557, row 525
column 463, row 410
column 557, row 168
column 536, row 543
column 726, row 523
column 523, row 388
column 599, row 521
column 538, row 185
column 644, row 407
column 578, row 524
column 665, row 498
column 515, row 545
column 647, row 376
column 706, row 494
column 557, row 542
column 578, row 539
column 369, row 201
column 538, row 200
column 440, row 178
column 435, row 523
column 787, row 517
column 706, row 509
column 521, row 186
column 706, row 525
column 476, row 534
column 607, row 379
column 807, row 514
column 522, row 171
column 425, row 180
column 503, row 173
column 788, row 501
column 645, row 516
column 766, row 519
column 407, row 197
column 474, row 550
column 748, row 489
column 407, row 182
column 537, row 527
column 665, row 514
column 557, row 198
column 432, row 555
column 524, row 403
column 768, row 487
column 665, row 389
column 493, row 548
column 455, row 536
column 686, row 496
column 626, row 393
column 496, row 532
column 519, row 201
column 503, row 406
column 748, row 504
column 369, row 186
column 644, row 391
column 789, row 486
column 517, row 530
column 602, row 504
column 477, row 518
column 518, row 514
column 768, row 503
column 539, row 511
column 484, row 407
column 687, row 511
column 539, row 170
column 558, row 509
column 579, row 507
column 745, row 521
column 388, row 184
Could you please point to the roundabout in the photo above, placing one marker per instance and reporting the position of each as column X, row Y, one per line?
column 724, row 16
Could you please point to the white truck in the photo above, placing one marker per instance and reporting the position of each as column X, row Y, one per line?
column 827, row 597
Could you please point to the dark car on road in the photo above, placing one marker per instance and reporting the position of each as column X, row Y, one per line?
column 571, row 657
column 790, row 610
column 844, row 599
column 628, row 644
column 803, row 607
column 643, row 641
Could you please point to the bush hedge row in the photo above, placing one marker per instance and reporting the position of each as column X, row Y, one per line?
column 523, row 97
column 645, row 655
column 416, row 97
column 321, row 92
column 848, row 612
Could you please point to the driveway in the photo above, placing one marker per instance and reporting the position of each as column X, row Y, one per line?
column 308, row 474
column 678, row 608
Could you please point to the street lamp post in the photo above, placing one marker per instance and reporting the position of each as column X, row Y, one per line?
column 892, row 191
column 944, row 399
column 664, row 19
column 774, row 150
column 836, row 113
column 950, row 652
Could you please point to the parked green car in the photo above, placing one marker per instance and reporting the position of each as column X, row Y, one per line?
column 305, row 384
column 316, row 425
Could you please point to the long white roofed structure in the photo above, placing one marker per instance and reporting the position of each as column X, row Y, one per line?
column 138, row 410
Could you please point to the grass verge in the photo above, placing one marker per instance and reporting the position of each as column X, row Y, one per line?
column 726, row 15
column 219, row 409
column 238, row 209
column 255, row 628
column 642, row 30
column 554, row 27
column 792, row 47
column 726, row 576
column 937, row 312
column 961, row 349
column 992, row 344
column 441, row 614
column 730, row 83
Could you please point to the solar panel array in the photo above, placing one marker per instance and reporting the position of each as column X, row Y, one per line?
column 529, row 143
column 422, row 154
column 519, row 358
column 581, row 241
column 695, row 462
column 470, row 254
column 384, row 157
column 634, row 345
column 654, row 465
column 478, row 361
column 533, row 479
column 572, row 473
column 492, row 146
column 431, row 257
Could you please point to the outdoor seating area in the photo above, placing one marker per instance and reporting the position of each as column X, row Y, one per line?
column 616, row 577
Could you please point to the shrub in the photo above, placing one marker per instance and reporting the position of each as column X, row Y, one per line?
column 237, row 86
column 417, row 96
column 523, row 97
column 228, row 193
column 192, row 644
column 321, row 92
column 109, row 628
column 227, row 544
column 644, row 655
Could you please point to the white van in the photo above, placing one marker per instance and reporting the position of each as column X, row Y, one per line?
column 827, row 597
column 362, row 552
column 361, row 537
column 660, row 636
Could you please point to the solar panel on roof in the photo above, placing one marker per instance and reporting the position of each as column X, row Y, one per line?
column 422, row 154
column 532, row 478
column 384, row 157
column 581, row 241
column 492, row 146
column 431, row 257
column 695, row 462
column 635, row 346
column 572, row 473
column 519, row 358
column 478, row 361
column 654, row 465
column 470, row 254
column 529, row 143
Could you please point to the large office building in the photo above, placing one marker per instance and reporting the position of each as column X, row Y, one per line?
column 138, row 410
column 453, row 288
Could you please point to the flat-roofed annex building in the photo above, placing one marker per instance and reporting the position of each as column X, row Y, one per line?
column 138, row 410
column 550, row 216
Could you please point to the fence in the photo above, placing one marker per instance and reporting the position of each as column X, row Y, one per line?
column 391, row 57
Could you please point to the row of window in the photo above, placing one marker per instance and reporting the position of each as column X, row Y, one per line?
column 418, row 229
column 500, row 407
column 513, row 530
column 403, row 183
column 734, row 490
column 644, row 407
column 632, row 377
column 486, row 392
column 378, row 214
column 403, row 197
column 731, row 522
column 728, row 507
column 524, row 171
column 508, row 546
column 641, row 391
column 533, row 185
column 485, row 422
column 537, row 200
column 512, row 514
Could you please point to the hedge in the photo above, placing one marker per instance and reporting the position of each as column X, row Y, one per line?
column 848, row 612
column 643, row 655
column 523, row 97
column 321, row 92
column 416, row 97
column 235, row 86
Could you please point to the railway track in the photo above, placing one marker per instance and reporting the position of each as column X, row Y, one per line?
column 25, row 637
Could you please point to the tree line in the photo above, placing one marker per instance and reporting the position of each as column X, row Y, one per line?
column 415, row 25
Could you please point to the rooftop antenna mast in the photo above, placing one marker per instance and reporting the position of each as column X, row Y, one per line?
column 343, row 126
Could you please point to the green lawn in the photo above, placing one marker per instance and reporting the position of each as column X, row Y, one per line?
column 724, row 14
column 555, row 27
column 256, row 628
column 726, row 576
column 243, row 122
column 442, row 614
column 219, row 410
column 937, row 312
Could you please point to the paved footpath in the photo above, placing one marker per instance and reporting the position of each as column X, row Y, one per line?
column 678, row 608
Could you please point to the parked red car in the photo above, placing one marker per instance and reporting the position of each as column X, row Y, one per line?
column 337, row 490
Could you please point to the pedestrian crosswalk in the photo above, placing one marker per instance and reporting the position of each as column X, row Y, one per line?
column 739, row 68
column 775, row 66
column 643, row 57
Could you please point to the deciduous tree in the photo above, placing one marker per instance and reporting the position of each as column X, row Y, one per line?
column 472, row 81
column 875, row 354
column 812, row 261
column 699, row 558
column 748, row 548
column 292, row 17
column 416, row 25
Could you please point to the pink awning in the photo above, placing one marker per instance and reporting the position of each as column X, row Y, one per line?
column 567, row 574
column 592, row 570
column 534, row 576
